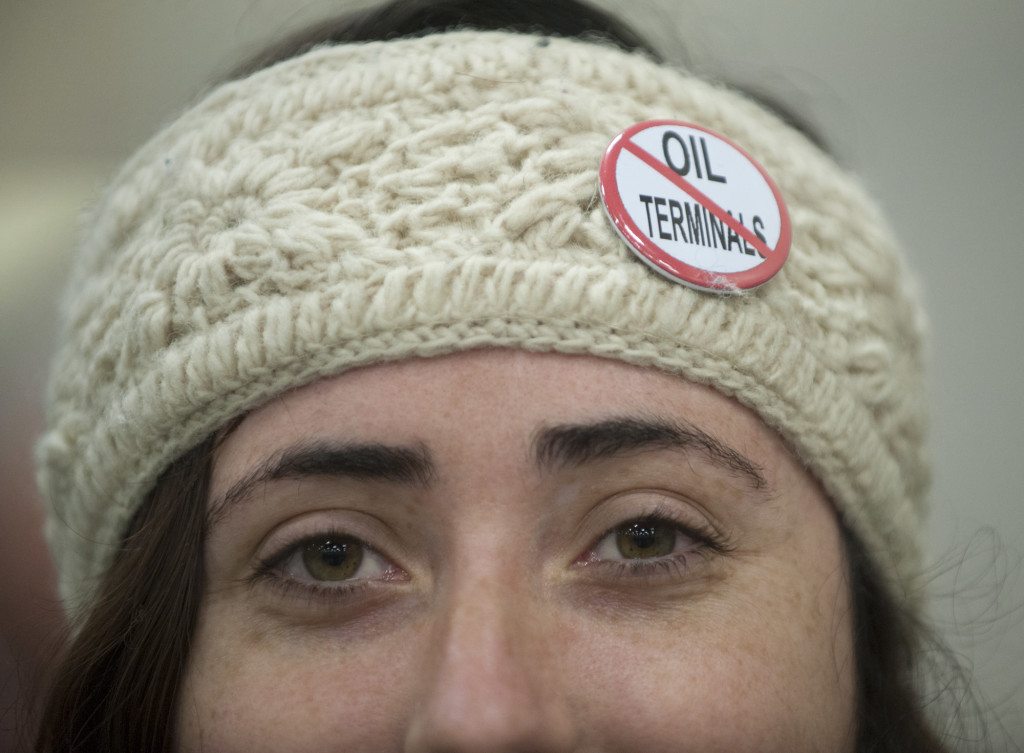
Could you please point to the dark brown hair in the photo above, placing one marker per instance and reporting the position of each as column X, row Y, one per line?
column 410, row 18
column 116, row 688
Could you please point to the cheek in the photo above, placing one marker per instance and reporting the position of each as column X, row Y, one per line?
column 767, row 669
column 251, row 693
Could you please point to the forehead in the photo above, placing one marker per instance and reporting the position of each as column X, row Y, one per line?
column 492, row 401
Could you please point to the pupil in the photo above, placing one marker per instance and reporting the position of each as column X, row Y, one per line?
column 645, row 539
column 332, row 559
column 333, row 554
column 643, row 536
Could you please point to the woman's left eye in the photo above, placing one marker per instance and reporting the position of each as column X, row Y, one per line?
column 642, row 539
column 645, row 545
column 646, row 538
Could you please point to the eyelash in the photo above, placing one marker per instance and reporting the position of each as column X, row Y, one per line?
column 708, row 543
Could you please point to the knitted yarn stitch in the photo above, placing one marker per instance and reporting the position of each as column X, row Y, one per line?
column 371, row 202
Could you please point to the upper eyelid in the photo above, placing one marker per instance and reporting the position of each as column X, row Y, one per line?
column 292, row 542
column 363, row 527
column 679, row 509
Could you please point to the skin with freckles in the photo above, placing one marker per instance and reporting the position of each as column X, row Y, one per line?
column 510, row 551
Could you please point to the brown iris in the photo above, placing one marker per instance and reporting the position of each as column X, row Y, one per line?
column 332, row 558
column 645, row 538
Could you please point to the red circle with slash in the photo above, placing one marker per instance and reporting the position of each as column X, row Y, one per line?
column 695, row 206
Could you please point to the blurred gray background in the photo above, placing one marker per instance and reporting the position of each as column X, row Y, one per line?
column 922, row 99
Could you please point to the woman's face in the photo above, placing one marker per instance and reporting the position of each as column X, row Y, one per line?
column 505, row 551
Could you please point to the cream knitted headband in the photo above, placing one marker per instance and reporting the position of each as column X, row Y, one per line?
column 364, row 203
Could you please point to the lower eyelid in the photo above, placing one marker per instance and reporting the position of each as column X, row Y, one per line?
column 672, row 568
column 288, row 592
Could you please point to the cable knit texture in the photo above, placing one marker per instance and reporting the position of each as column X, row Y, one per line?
column 365, row 203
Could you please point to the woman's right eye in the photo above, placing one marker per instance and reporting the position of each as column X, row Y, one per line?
column 330, row 561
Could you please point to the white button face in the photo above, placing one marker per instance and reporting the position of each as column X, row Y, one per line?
column 695, row 206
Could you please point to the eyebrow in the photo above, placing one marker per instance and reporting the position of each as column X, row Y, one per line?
column 576, row 445
column 403, row 465
column 553, row 448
